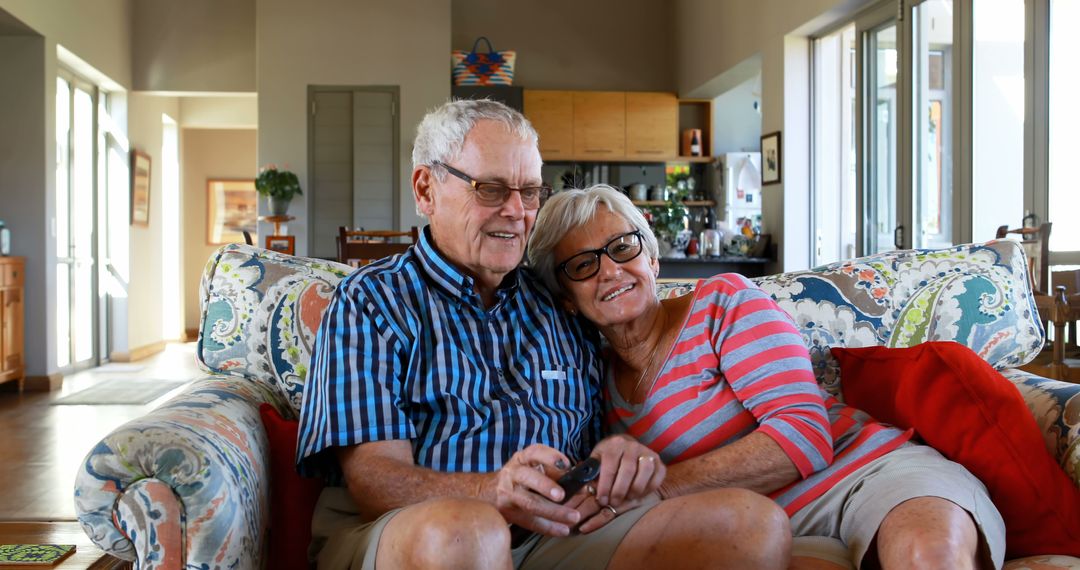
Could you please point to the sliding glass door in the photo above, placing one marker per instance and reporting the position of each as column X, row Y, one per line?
column 76, row 184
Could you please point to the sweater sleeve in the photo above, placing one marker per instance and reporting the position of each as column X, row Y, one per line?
column 764, row 360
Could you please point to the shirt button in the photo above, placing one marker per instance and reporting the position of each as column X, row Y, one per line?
column 499, row 371
column 517, row 401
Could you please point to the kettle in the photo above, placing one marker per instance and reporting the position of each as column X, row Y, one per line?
column 639, row 192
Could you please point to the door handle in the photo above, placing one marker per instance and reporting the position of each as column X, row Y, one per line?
column 898, row 237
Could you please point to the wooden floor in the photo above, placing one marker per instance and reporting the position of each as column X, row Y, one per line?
column 44, row 444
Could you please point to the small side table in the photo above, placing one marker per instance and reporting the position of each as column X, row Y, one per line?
column 278, row 241
column 277, row 221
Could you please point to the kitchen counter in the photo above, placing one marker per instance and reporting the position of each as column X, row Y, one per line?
column 700, row 268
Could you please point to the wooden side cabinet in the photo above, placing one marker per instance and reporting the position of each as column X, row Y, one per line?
column 11, row 319
column 652, row 123
column 552, row 115
column 599, row 124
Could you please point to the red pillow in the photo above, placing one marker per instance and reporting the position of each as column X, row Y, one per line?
column 292, row 497
column 973, row 415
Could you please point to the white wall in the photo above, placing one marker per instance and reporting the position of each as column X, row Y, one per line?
column 99, row 32
column 736, row 123
column 208, row 153
column 145, row 302
column 24, row 188
column 619, row 45
column 232, row 112
column 194, row 45
column 346, row 42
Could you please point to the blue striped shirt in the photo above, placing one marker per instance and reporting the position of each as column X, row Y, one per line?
column 407, row 350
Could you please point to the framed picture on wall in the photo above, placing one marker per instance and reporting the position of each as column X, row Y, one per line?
column 282, row 244
column 140, row 188
column 770, row 158
column 231, row 209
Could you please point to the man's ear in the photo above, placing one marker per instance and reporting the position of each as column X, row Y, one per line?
column 423, row 192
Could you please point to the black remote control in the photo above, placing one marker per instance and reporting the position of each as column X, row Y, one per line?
column 577, row 477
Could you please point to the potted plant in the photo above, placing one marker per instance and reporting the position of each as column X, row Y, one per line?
column 668, row 220
column 279, row 186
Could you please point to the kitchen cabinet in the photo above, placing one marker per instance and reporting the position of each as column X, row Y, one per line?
column 599, row 125
column 652, row 123
column 552, row 115
column 11, row 319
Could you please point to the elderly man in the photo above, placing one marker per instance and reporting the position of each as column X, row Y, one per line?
column 452, row 391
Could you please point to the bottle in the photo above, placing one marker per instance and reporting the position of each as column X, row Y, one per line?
column 695, row 143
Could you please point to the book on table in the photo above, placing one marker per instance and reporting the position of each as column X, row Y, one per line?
column 34, row 554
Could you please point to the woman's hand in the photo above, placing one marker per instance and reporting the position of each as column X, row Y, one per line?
column 629, row 471
column 595, row 516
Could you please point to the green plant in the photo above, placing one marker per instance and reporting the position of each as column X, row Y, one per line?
column 668, row 220
column 277, row 184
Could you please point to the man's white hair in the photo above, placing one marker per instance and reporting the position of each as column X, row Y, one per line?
column 441, row 133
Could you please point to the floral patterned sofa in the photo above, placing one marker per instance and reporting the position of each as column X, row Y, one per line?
column 186, row 485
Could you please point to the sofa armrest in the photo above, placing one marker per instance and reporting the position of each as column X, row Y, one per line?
column 186, row 485
column 1056, row 407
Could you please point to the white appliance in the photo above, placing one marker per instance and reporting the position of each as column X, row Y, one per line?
column 738, row 191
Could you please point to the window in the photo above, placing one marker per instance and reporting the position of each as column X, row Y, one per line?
column 1064, row 125
column 834, row 146
column 997, row 124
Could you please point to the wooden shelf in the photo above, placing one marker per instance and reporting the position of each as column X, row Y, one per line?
column 688, row 203
column 657, row 160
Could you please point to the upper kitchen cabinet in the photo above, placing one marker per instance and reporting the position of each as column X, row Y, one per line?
column 652, row 125
column 599, row 125
column 552, row 115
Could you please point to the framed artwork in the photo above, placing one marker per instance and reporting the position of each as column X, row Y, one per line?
column 140, row 188
column 282, row 244
column 231, row 209
column 771, row 164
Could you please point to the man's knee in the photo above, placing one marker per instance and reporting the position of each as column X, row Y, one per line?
column 928, row 532
column 445, row 533
column 746, row 513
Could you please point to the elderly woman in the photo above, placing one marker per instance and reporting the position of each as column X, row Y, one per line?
column 719, row 384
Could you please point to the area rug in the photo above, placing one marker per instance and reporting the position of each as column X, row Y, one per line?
column 121, row 391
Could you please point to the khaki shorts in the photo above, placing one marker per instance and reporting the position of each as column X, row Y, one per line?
column 853, row 510
column 341, row 540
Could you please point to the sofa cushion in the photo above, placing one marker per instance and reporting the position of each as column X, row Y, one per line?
column 292, row 497
column 968, row 411
column 978, row 295
column 260, row 313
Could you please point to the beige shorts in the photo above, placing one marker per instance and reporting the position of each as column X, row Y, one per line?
column 853, row 510
column 341, row 540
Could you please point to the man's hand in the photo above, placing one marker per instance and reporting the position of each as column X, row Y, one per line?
column 629, row 471
column 527, row 494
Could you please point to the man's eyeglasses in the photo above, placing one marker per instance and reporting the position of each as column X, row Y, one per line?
column 587, row 263
column 496, row 193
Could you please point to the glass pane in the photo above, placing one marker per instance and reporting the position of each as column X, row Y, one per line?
column 1064, row 124
column 881, row 124
column 63, row 314
column 932, row 96
column 998, row 117
column 82, row 225
column 834, row 147
column 63, row 127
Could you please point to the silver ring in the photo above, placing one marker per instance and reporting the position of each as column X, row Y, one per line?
column 614, row 513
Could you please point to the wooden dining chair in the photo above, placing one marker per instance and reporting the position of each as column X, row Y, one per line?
column 361, row 247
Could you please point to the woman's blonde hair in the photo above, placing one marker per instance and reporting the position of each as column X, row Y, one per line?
column 571, row 209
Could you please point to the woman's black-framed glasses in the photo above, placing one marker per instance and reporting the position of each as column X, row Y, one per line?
column 621, row 249
column 496, row 193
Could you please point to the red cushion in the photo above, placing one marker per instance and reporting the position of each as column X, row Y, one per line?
column 292, row 497
column 973, row 415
